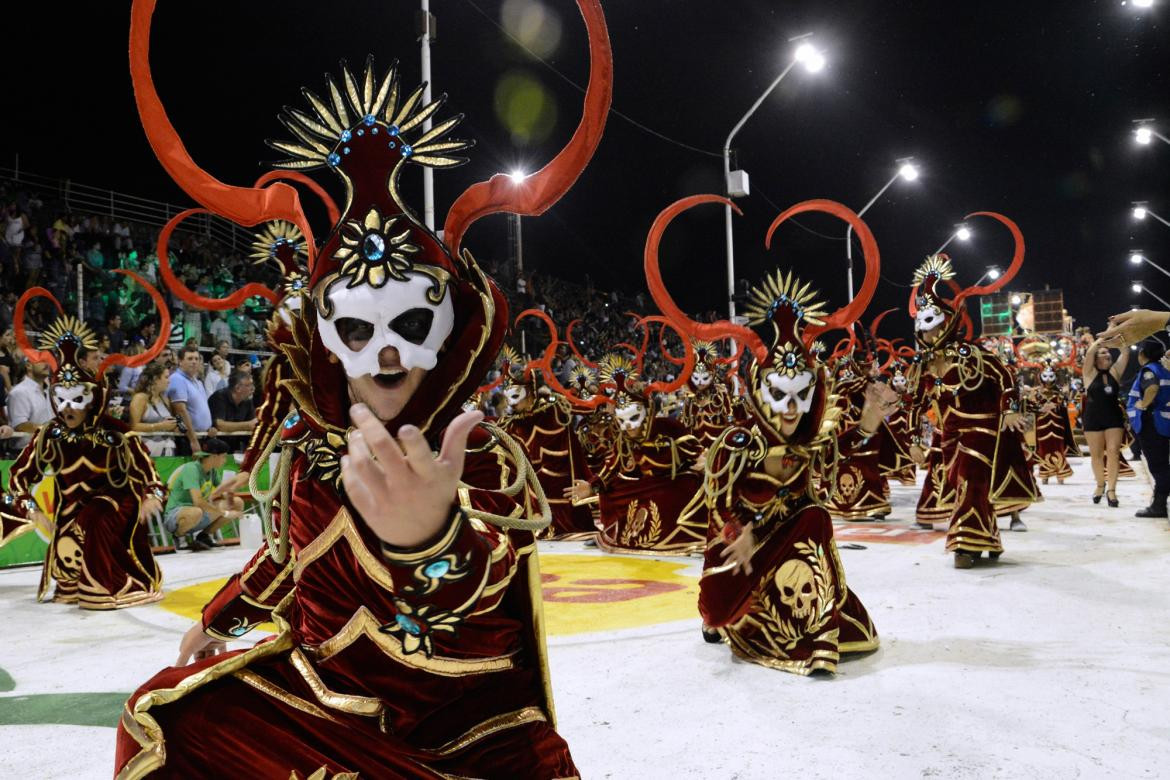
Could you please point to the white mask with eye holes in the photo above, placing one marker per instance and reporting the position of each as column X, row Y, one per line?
column 397, row 315
column 928, row 318
column 515, row 395
column 898, row 382
column 788, row 394
column 76, row 397
column 701, row 377
column 1048, row 376
column 631, row 416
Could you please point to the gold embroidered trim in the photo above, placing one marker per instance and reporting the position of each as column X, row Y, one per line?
column 491, row 726
column 270, row 688
column 342, row 526
column 346, row 702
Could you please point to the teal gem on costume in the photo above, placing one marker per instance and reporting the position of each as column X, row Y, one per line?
column 361, row 132
column 239, row 630
column 790, row 360
column 345, row 136
column 437, row 569
column 408, row 624
column 392, row 145
column 374, row 247
column 292, row 421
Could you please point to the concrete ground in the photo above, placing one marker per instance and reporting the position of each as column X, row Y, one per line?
column 1053, row 664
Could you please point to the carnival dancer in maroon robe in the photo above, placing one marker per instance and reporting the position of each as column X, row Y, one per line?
column 84, row 480
column 404, row 585
column 773, row 585
column 1050, row 405
column 649, row 487
column 710, row 404
column 898, row 424
column 542, row 421
column 978, row 415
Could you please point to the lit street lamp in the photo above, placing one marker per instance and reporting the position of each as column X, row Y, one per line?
column 1141, row 210
column 961, row 232
column 1137, row 258
column 907, row 171
column 1138, row 287
column 736, row 182
column 1144, row 132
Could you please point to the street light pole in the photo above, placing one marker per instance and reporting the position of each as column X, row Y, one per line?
column 1144, row 132
column 906, row 170
column 426, row 35
column 961, row 232
column 1139, row 287
column 1141, row 211
column 1137, row 258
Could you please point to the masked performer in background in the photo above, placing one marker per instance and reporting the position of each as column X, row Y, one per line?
column 404, row 586
column 83, row 479
column 1053, row 428
column 543, row 424
column 983, row 459
column 773, row 585
column 710, row 405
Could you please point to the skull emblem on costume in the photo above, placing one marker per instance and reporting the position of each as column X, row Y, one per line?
column 364, row 320
column 795, row 582
column 631, row 416
column 928, row 318
column 898, row 381
column 701, row 378
column 848, row 485
column 68, row 557
column 76, row 397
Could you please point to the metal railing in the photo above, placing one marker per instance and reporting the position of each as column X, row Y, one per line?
column 98, row 201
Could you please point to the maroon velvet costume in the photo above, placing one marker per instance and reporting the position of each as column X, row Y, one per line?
column 1052, row 432
column 99, row 553
column 859, row 488
column 425, row 662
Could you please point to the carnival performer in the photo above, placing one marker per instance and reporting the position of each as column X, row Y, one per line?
column 973, row 393
column 898, row 424
column 1053, row 429
column 83, row 479
column 710, row 404
column 1102, row 418
column 404, row 586
column 649, row 488
column 541, row 420
column 773, row 585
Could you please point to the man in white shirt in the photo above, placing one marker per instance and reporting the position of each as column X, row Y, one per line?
column 28, row 404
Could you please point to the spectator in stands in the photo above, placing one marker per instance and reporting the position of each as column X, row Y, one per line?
column 28, row 404
column 190, row 512
column 32, row 259
column 10, row 359
column 221, row 333
column 15, row 227
column 232, row 408
column 94, row 257
column 7, row 301
column 216, row 376
column 189, row 401
column 223, row 349
column 115, row 332
column 128, row 379
column 150, row 411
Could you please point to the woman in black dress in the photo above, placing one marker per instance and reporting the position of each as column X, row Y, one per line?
column 1103, row 419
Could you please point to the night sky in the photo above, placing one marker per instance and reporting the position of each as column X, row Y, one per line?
column 1022, row 108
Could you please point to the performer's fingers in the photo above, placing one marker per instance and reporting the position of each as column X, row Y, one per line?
column 747, row 566
column 359, row 481
column 454, row 447
column 418, row 453
column 380, row 443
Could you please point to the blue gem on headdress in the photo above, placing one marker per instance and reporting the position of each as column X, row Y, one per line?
column 345, row 136
column 437, row 569
column 333, row 159
column 790, row 360
column 406, row 151
column 369, row 119
column 408, row 624
column 361, row 132
column 373, row 247
column 392, row 129
column 392, row 144
column 292, row 421
column 373, row 131
column 345, row 150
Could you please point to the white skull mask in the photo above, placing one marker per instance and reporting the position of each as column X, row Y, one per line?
column 631, row 416
column 701, row 377
column 515, row 395
column 928, row 318
column 398, row 315
column 788, row 394
column 898, row 381
column 77, row 397
column 1048, row 376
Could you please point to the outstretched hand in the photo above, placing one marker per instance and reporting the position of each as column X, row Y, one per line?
column 1130, row 327
column 739, row 550
column 881, row 401
column 402, row 491
column 150, row 508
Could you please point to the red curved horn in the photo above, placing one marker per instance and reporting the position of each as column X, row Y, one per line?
column 188, row 295
column 538, row 192
column 869, row 249
column 492, row 385
column 551, row 349
column 32, row 353
column 1012, row 269
column 243, row 205
column 665, row 322
column 326, row 199
column 700, row 330
column 573, row 345
column 873, row 326
column 164, row 329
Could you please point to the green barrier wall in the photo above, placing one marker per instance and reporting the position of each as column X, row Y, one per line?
column 30, row 548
